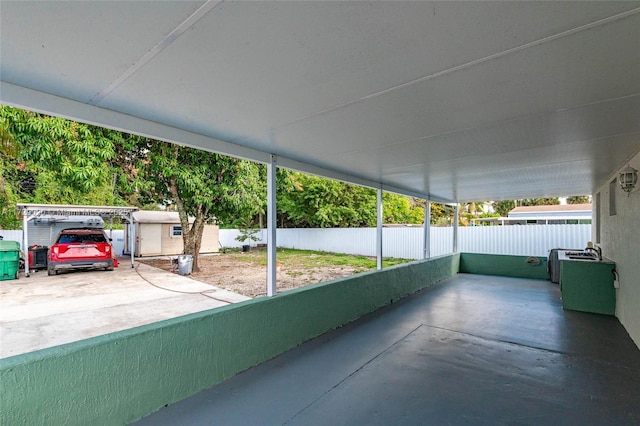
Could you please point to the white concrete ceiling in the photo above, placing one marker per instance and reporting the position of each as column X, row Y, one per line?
column 458, row 101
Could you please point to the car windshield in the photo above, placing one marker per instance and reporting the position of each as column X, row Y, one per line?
column 81, row 238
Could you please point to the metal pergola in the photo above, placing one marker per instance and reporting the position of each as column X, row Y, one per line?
column 33, row 211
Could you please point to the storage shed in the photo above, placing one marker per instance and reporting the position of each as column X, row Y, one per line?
column 159, row 233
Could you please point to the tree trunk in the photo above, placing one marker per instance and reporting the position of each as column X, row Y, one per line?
column 197, row 243
column 191, row 235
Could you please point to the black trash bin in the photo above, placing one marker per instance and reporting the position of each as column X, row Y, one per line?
column 38, row 257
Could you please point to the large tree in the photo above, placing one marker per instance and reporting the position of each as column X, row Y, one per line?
column 307, row 201
column 504, row 207
column 59, row 160
column 202, row 186
column 9, row 150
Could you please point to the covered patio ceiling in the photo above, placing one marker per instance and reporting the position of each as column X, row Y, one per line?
column 454, row 101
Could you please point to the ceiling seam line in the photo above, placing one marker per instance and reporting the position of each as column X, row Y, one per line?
column 158, row 48
column 479, row 61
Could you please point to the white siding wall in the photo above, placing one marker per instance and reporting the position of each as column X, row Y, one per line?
column 533, row 240
column 620, row 242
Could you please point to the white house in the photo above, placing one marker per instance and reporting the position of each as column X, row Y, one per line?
column 560, row 214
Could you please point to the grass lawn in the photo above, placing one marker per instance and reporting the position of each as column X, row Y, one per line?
column 309, row 259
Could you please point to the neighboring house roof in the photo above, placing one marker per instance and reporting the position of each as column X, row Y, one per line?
column 550, row 210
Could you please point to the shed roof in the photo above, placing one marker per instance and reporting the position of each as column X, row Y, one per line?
column 149, row 216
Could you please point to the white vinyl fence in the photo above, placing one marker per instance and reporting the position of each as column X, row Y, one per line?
column 529, row 240
column 12, row 235
column 406, row 242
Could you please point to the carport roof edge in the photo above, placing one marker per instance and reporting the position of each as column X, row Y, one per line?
column 74, row 210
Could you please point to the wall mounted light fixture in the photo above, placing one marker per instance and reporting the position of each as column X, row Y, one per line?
column 628, row 179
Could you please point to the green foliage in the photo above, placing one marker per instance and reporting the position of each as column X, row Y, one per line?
column 579, row 199
column 539, row 201
column 77, row 156
column 504, row 207
column 399, row 209
column 306, row 201
column 58, row 160
column 441, row 215
column 9, row 150
column 203, row 184
column 247, row 232
column 471, row 210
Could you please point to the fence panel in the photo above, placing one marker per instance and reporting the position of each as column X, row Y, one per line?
column 117, row 240
column 12, row 235
column 406, row 242
column 396, row 242
column 529, row 240
column 360, row 241
column 441, row 241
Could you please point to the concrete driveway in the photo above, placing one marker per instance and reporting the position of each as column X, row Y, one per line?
column 42, row 311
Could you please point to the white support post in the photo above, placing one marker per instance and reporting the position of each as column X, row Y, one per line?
column 426, row 243
column 271, row 227
column 455, row 228
column 379, row 230
column 25, row 244
column 132, row 240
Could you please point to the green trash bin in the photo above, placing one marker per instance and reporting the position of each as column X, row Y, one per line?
column 9, row 259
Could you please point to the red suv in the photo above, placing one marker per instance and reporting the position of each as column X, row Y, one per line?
column 85, row 248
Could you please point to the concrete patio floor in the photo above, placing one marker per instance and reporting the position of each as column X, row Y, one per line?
column 470, row 350
column 43, row 311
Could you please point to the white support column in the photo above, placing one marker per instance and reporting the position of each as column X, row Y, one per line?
column 271, row 227
column 426, row 243
column 455, row 228
column 132, row 239
column 25, row 244
column 379, row 230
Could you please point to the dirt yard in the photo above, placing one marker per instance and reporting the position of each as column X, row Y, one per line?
column 246, row 273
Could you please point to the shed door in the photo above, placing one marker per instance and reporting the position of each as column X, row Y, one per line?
column 150, row 239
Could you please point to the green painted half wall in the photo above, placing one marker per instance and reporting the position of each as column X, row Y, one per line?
column 504, row 265
column 121, row 377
